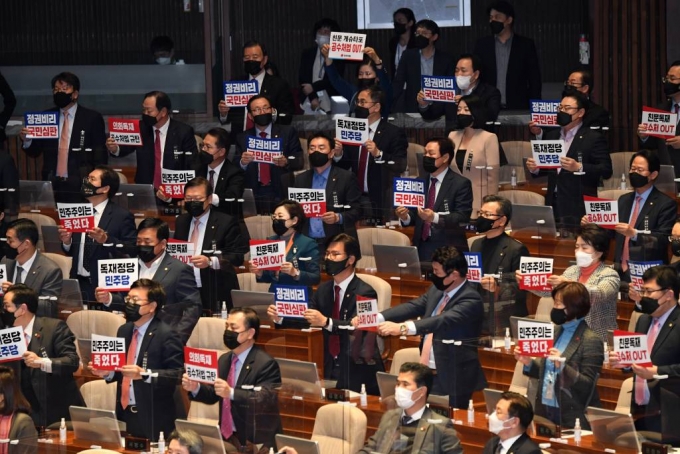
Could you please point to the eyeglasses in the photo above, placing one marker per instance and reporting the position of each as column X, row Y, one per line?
column 195, row 199
column 208, row 147
column 671, row 79
column 275, row 218
column 362, row 103
column 562, row 108
column 64, row 89
column 135, row 300
column 573, row 84
column 334, row 254
column 487, row 214
column 673, row 239
column 646, row 291
column 261, row 110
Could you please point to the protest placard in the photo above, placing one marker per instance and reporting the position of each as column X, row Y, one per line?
column 117, row 275
column 346, row 46
column 409, row 192
column 313, row 201
column 200, row 364
column 544, row 113
column 42, row 125
column 108, row 353
column 290, row 300
column 637, row 269
column 474, row 261
column 631, row 348
column 535, row 272
column 603, row 212
column 264, row 150
column 12, row 343
column 76, row 217
column 173, row 181
column 547, row 153
column 125, row 132
column 535, row 338
column 436, row 88
column 238, row 93
column 351, row 131
column 268, row 254
column 367, row 313
column 660, row 123
column 181, row 250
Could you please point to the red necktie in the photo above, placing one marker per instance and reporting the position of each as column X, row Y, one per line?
column 158, row 160
column 132, row 350
column 431, row 193
column 334, row 339
column 363, row 164
column 265, row 171
column 639, row 382
column 626, row 252
column 227, row 424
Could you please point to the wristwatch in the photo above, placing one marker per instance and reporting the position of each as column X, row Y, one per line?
column 403, row 329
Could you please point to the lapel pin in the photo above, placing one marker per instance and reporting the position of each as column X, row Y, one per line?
column 37, row 335
column 247, row 367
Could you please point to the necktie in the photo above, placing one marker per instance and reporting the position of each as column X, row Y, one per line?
column 334, row 339
column 132, row 350
column 265, row 174
column 211, row 179
column 499, row 448
column 20, row 275
column 676, row 108
column 406, row 420
column 427, row 345
column 62, row 156
column 626, row 242
column 88, row 248
column 641, row 384
column 431, row 195
column 322, row 67
column 363, row 164
column 227, row 424
column 195, row 236
column 158, row 160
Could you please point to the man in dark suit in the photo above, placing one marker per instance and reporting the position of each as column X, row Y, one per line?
column 377, row 161
column 50, row 360
column 517, row 74
column 165, row 142
column 30, row 267
column 587, row 161
column 245, row 389
column 81, row 144
column 342, row 192
column 668, row 148
column 144, row 402
column 425, row 60
column 468, row 80
column 218, row 244
column 596, row 116
column 500, row 257
column 350, row 358
column 9, row 179
column 448, row 205
column 183, row 303
column 450, row 309
column 263, row 178
column 509, row 423
column 9, row 102
column 661, row 322
column 275, row 88
column 114, row 225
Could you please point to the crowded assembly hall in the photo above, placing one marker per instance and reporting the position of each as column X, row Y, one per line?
column 375, row 227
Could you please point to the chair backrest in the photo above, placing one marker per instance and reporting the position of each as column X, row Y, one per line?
column 208, row 334
column 305, row 155
column 519, row 197
column 381, row 287
column 620, row 166
column 249, row 207
column 404, row 355
column 40, row 220
column 63, row 261
column 369, row 236
column 204, row 413
column 472, row 239
column 121, row 176
column 623, row 402
column 514, row 150
column 634, row 316
column 612, row 194
column 259, row 227
column 247, row 281
column 520, row 382
column 99, row 394
column 199, row 141
column 411, row 159
column 83, row 323
column 545, row 305
column 346, row 437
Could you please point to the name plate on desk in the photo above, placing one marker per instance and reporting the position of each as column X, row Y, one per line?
column 442, row 410
column 337, row 395
column 654, row 448
column 137, row 444
column 548, row 430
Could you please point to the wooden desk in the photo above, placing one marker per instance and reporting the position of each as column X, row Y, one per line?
column 293, row 344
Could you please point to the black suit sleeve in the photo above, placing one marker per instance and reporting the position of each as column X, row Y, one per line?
column 172, row 352
column 396, row 152
column 599, row 162
column 534, row 70
column 268, row 377
column 353, row 195
column 399, row 78
column 189, row 142
column 294, row 149
column 65, row 360
column 461, row 210
column 234, row 246
column 9, row 101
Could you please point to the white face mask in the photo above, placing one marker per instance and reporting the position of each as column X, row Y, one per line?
column 404, row 397
column 163, row 60
column 463, row 82
column 583, row 259
column 495, row 424
column 323, row 39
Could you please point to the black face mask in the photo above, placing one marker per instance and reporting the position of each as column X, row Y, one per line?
column 563, row 118
column 438, row 282
column 675, row 247
column 87, row 189
column 421, row 42
column 569, row 90
column 252, row 67
column 10, row 252
column 430, row 164
column 648, row 305
column 205, row 157
column 230, row 339
column 149, row 120
column 279, row 226
column 558, row 316
column 361, row 112
column 669, row 88
column 146, row 253
column 7, row 318
column 399, row 29
column 132, row 312
column 335, row 268
column 62, row 99
column 194, row 208
column 318, row 159
column 263, row 119
column 483, row 224
column 465, row 120
column 496, row 27
column 362, row 84
column 637, row 180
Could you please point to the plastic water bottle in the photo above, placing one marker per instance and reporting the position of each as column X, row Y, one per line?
column 161, row 443
column 224, row 310
column 623, row 182
column 577, row 431
column 606, row 353
column 62, row 432
column 513, row 179
column 471, row 412
column 363, row 396
column 507, row 339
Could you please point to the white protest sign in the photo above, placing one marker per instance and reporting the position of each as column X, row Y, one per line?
column 117, row 275
column 125, row 132
column 346, row 46
column 367, row 312
column 238, row 93
column 534, row 338
column 547, row 153
column 200, row 365
column 76, row 217
column 660, row 123
column 108, row 353
column 535, row 272
column 290, row 300
column 3, row 273
column 264, row 150
column 42, row 125
column 181, row 250
column 409, row 192
column 602, row 212
column 12, row 344
column 631, row 348
column 351, row 131
column 173, row 181
column 313, row 201
column 268, row 254
column 442, row 89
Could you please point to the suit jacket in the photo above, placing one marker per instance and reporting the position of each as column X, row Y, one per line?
column 229, row 187
column 255, row 413
column 291, row 150
column 429, row 438
column 306, row 73
column 280, row 96
column 161, row 351
column 341, row 190
column 45, row 277
column 391, row 140
column 50, row 395
column 458, row 367
column 310, row 273
column 482, row 150
column 596, row 116
column 523, row 79
column 23, row 429
column 668, row 156
column 392, row 45
column 408, row 72
column 119, row 225
column 183, row 302
column 660, row 212
column 180, row 139
column 454, row 198
column 576, row 382
column 222, row 234
column 87, row 133
column 9, row 102
column 507, row 255
column 597, row 164
column 9, row 178
column 523, row 445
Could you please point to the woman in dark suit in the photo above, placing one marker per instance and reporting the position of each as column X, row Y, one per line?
column 567, row 378
column 302, row 253
column 15, row 419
